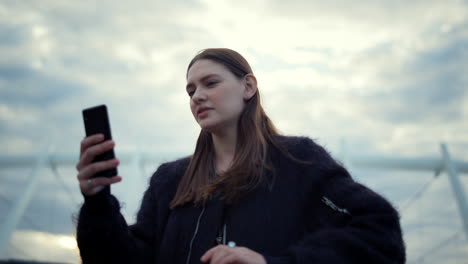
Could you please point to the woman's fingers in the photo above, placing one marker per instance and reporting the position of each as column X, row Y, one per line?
column 232, row 259
column 216, row 254
column 221, row 256
column 89, row 141
column 95, row 185
column 95, row 167
column 212, row 253
column 91, row 147
column 91, row 152
column 89, row 185
column 227, row 255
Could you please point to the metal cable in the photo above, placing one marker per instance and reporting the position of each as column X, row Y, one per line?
column 25, row 216
column 417, row 195
column 440, row 246
column 59, row 177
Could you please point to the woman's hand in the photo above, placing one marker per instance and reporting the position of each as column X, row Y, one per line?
column 91, row 147
column 233, row 255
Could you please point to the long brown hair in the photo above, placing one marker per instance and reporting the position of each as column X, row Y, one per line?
column 255, row 132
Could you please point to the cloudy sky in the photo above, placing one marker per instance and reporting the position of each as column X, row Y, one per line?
column 386, row 77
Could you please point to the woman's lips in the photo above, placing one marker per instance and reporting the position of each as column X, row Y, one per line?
column 203, row 112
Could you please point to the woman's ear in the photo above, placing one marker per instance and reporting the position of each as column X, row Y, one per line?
column 250, row 83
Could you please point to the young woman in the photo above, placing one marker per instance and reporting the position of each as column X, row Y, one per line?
column 246, row 195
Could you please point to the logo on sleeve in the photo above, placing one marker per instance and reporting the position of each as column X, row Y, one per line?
column 333, row 206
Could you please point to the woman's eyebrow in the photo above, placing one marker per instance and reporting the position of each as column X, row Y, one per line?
column 190, row 84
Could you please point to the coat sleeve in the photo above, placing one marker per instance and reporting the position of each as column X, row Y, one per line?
column 103, row 235
column 355, row 224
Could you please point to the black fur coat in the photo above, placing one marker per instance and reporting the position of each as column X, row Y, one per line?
column 313, row 214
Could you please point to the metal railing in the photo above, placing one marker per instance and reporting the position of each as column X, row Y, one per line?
column 138, row 160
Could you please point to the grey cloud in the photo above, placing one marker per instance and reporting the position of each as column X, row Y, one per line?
column 388, row 13
column 434, row 90
column 33, row 100
column 13, row 35
column 84, row 39
column 270, row 63
column 23, row 85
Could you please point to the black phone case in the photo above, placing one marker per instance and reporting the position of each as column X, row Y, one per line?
column 96, row 121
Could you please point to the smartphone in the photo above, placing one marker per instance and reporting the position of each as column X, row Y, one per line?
column 96, row 121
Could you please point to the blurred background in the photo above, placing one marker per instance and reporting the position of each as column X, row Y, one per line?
column 364, row 79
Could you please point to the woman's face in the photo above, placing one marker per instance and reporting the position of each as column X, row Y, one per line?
column 216, row 96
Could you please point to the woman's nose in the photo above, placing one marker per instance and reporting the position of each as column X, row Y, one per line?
column 199, row 95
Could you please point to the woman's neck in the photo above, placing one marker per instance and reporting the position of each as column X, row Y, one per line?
column 225, row 149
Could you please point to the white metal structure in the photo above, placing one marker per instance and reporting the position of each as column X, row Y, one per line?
column 44, row 160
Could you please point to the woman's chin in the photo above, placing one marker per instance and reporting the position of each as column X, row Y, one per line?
column 206, row 126
column 218, row 127
column 209, row 127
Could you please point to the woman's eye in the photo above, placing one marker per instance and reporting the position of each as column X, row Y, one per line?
column 190, row 93
column 211, row 83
